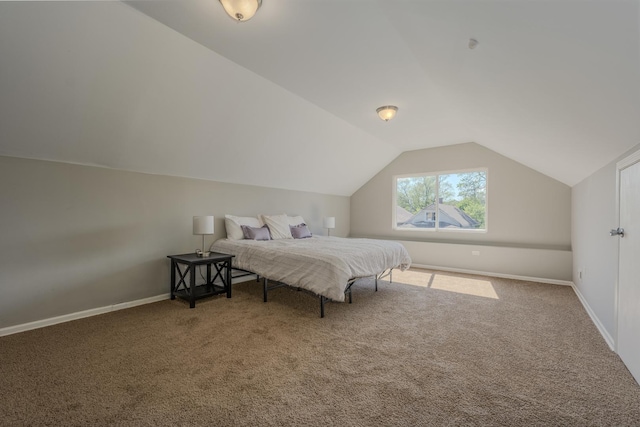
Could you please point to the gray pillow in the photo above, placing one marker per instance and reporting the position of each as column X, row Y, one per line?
column 256, row 233
column 300, row 231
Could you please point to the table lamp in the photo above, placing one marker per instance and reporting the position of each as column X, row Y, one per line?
column 203, row 225
column 329, row 223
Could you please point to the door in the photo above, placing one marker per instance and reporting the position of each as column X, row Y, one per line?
column 628, row 333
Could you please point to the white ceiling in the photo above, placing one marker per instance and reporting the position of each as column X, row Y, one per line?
column 549, row 82
column 288, row 99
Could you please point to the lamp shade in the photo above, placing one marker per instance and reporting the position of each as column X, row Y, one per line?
column 203, row 225
column 387, row 112
column 329, row 222
column 241, row 10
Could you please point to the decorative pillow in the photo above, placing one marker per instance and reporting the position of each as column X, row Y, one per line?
column 296, row 220
column 232, row 224
column 278, row 226
column 300, row 231
column 256, row 233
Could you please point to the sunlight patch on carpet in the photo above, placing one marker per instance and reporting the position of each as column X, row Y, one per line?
column 464, row 285
column 447, row 282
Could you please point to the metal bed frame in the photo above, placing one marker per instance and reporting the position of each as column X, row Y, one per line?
column 266, row 288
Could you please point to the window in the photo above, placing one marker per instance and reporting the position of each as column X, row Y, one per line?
column 443, row 201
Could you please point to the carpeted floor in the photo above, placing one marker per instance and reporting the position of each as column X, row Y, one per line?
column 441, row 349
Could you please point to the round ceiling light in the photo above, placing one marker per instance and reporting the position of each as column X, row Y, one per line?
column 387, row 112
column 241, row 10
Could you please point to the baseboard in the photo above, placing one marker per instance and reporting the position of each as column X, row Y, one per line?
column 79, row 315
column 10, row 330
column 121, row 306
column 596, row 321
column 491, row 274
column 607, row 337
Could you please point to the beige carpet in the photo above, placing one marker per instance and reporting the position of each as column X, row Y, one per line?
column 443, row 350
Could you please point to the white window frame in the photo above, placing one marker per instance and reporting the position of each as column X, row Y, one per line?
column 437, row 229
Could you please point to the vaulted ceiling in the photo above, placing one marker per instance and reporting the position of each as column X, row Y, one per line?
column 288, row 98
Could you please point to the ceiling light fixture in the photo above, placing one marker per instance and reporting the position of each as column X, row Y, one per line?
column 387, row 112
column 241, row 10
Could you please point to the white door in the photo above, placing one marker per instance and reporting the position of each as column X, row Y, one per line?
column 629, row 270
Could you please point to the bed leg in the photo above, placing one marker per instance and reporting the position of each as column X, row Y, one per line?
column 391, row 276
column 376, row 283
column 350, row 299
column 264, row 287
column 322, row 299
column 257, row 278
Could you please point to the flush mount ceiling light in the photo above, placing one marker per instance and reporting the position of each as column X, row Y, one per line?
column 241, row 10
column 387, row 112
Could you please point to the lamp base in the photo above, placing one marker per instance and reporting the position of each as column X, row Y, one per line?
column 202, row 253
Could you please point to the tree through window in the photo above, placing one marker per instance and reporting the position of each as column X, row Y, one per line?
column 442, row 201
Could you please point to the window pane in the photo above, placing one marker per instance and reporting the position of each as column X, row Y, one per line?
column 445, row 201
column 463, row 198
column 415, row 202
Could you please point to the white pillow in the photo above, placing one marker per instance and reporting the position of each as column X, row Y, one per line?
column 278, row 226
column 296, row 220
column 232, row 224
column 293, row 220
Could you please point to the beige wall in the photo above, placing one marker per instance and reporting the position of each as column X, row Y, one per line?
column 78, row 237
column 595, row 253
column 526, row 210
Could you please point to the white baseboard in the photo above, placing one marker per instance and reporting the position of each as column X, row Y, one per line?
column 607, row 337
column 490, row 274
column 92, row 312
column 79, row 315
column 101, row 310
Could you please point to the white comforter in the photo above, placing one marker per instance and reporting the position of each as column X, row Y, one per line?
column 322, row 265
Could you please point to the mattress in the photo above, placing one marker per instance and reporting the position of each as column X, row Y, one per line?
column 322, row 265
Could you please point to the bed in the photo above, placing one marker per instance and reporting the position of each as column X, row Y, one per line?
column 324, row 266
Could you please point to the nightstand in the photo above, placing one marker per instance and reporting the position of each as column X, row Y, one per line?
column 189, row 262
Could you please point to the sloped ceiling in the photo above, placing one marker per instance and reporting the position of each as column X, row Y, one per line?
column 288, row 98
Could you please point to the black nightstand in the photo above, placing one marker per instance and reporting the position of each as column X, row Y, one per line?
column 222, row 264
